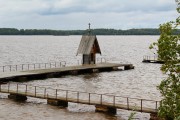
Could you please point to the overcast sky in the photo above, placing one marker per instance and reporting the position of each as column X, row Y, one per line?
column 76, row 14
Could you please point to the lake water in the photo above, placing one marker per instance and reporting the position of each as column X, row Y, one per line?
column 139, row 83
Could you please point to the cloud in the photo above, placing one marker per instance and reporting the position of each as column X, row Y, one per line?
column 73, row 14
column 47, row 7
column 101, row 6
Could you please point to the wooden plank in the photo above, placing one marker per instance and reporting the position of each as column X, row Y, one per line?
column 75, row 100
column 153, row 61
column 6, row 75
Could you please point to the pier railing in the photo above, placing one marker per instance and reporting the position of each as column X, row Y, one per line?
column 101, row 60
column 128, row 103
column 155, row 58
column 98, row 60
column 33, row 66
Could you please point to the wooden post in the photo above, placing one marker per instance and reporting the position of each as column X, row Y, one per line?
column 8, row 86
column 22, row 67
column 56, row 93
column 66, row 95
column 114, row 98
column 106, row 109
column 3, row 68
column 77, row 97
column 26, row 89
column 35, row 90
column 156, row 105
column 17, row 97
column 154, row 116
column 89, row 97
column 57, row 102
column 127, row 103
column 141, row 105
column 17, row 88
column 21, row 79
column 101, row 99
column 16, row 67
column 44, row 92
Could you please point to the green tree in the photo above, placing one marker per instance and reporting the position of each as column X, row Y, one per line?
column 168, row 49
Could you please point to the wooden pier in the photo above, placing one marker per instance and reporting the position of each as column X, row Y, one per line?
column 103, row 102
column 152, row 59
column 43, row 71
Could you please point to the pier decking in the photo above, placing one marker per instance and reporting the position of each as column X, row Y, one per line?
column 152, row 59
column 59, row 97
column 57, row 72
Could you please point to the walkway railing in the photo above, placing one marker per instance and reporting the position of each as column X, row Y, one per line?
column 34, row 66
column 155, row 58
column 128, row 103
column 98, row 60
column 101, row 60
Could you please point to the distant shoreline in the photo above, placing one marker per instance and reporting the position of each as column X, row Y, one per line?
column 144, row 31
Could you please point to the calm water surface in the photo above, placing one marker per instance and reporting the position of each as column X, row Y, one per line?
column 140, row 82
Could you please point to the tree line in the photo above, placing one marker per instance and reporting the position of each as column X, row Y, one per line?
column 14, row 31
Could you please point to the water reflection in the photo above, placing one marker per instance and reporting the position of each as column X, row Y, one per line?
column 140, row 82
column 90, row 82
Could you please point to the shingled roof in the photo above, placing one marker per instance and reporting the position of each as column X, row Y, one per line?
column 86, row 45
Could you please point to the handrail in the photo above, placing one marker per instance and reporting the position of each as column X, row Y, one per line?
column 81, row 92
column 98, row 60
column 101, row 60
column 32, row 66
column 103, row 97
column 150, row 57
column 63, row 63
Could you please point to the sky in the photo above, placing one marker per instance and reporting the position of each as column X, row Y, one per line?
column 76, row 14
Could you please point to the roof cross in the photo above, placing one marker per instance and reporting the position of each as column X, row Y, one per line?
column 89, row 31
column 89, row 26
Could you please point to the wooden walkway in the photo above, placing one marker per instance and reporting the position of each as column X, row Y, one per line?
column 152, row 59
column 111, row 101
column 28, row 72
